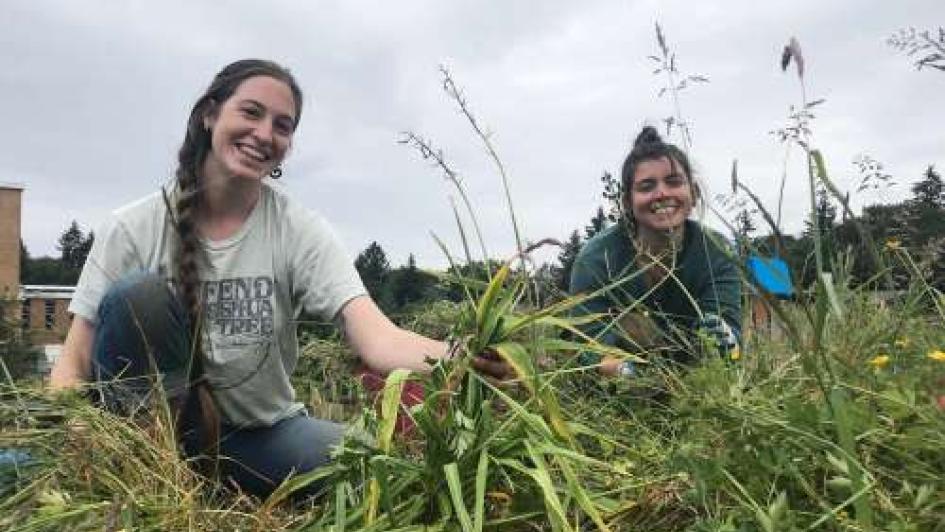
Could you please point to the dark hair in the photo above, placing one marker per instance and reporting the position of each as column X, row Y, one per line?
column 191, row 156
column 649, row 146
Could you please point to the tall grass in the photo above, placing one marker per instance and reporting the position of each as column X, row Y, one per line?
column 835, row 425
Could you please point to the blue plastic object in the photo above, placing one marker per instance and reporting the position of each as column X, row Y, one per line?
column 772, row 275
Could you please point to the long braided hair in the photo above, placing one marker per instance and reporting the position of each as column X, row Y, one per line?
column 189, row 253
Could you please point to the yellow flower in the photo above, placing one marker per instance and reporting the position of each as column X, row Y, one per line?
column 893, row 243
column 879, row 361
column 901, row 343
column 937, row 355
column 737, row 353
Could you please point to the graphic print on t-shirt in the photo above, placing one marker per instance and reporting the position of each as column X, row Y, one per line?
column 239, row 315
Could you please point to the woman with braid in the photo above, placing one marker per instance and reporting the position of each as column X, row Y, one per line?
column 201, row 284
column 660, row 277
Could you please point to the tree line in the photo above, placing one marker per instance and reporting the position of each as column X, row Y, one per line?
column 73, row 246
column 916, row 224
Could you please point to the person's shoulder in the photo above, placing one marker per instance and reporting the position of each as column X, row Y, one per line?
column 141, row 215
column 282, row 200
column 606, row 241
column 292, row 215
column 713, row 242
column 143, row 206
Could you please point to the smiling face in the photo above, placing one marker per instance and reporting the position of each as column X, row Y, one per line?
column 661, row 196
column 252, row 130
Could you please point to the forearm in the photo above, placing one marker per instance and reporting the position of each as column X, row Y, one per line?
column 73, row 367
column 403, row 350
column 382, row 345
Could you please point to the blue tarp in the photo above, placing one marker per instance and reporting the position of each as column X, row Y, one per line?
column 772, row 275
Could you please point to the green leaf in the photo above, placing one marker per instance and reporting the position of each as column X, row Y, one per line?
column 382, row 475
column 827, row 280
column 864, row 512
column 340, row 500
column 482, row 475
column 557, row 517
column 451, row 471
column 390, row 405
column 580, row 494
column 484, row 310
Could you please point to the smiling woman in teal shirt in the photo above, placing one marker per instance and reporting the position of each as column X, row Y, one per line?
column 661, row 277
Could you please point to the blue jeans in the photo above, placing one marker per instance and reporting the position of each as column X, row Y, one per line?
column 142, row 338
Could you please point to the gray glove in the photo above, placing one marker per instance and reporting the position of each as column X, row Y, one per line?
column 725, row 337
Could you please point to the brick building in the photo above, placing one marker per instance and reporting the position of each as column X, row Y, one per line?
column 41, row 311
column 10, row 202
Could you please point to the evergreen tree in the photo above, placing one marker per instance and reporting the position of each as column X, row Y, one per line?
column 598, row 223
column 925, row 211
column 374, row 269
column 826, row 214
column 930, row 191
column 70, row 246
column 410, row 285
column 566, row 257
column 74, row 249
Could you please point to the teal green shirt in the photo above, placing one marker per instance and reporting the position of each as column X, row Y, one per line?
column 703, row 270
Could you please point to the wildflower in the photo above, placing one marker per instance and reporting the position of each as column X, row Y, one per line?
column 937, row 355
column 879, row 361
column 893, row 244
column 901, row 343
column 737, row 353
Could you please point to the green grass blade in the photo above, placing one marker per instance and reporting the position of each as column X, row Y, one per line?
column 484, row 309
column 382, row 475
column 340, row 505
column 580, row 494
column 864, row 512
column 455, row 486
column 482, row 476
column 390, row 405
column 556, row 513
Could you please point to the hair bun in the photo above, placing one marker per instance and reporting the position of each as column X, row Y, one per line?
column 648, row 135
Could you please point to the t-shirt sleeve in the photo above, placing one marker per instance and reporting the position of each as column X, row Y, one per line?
column 324, row 277
column 112, row 256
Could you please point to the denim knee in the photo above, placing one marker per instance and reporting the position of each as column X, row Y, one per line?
column 142, row 331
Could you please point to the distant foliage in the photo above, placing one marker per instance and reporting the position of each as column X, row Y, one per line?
column 74, row 247
column 374, row 269
column 409, row 285
column 569, row 252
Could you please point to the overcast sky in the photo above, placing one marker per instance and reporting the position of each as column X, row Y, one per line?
column 95, row 95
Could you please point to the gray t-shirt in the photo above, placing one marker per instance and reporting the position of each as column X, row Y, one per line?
column 285, row 259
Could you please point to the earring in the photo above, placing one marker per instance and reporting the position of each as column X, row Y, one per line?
column 276, row 172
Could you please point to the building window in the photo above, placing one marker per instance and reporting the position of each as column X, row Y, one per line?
column 50, row 313
column 25, row 314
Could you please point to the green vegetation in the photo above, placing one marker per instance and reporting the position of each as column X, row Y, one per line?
column 73, row 245
column 830, row 418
